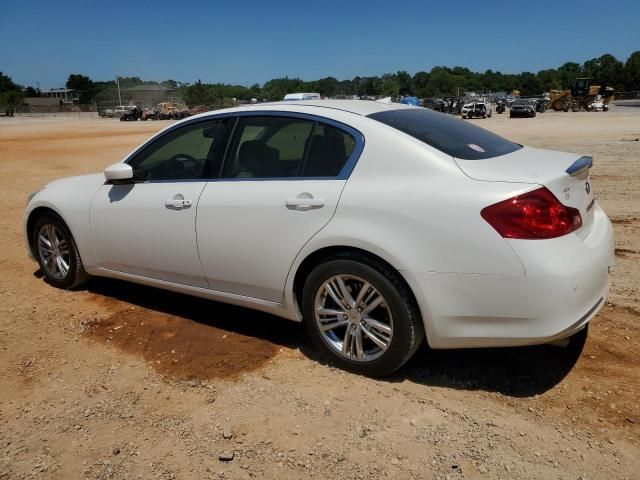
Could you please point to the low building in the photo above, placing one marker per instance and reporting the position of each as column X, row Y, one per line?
column 66, row 96
column 43, row 105
column 148, row 95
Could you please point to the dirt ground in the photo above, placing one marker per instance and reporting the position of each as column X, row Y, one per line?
column 122, row 381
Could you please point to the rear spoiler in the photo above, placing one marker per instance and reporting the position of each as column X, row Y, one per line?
column 580, row 168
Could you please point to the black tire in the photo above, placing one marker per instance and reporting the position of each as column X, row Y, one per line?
column 408, row 330
column 577, row 340
column 75, row 275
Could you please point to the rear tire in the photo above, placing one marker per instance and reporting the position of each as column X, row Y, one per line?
column 57, row 253
column 377, row 317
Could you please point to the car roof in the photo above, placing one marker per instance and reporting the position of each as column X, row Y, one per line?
column 358, row 107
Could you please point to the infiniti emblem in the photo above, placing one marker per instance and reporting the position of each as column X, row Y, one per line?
column 587, row 187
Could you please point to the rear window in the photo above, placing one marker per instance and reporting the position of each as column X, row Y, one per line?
column 449, row 135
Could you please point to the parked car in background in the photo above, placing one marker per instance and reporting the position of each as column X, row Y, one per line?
column 597, row 105
column 150, row 114
column 477, row 108
column 436, row 104
column 540, row 104
column 522, row 108
column 132, row 115
column 117, row 111
column 453, row 105
column 377, row 225
column 198, row 109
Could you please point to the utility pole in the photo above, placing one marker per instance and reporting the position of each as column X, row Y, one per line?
column 119, row 97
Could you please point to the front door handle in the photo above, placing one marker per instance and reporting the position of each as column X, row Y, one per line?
column 178, row 202
column 305, row 203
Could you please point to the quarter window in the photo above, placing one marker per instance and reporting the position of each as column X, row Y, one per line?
column 329, row 150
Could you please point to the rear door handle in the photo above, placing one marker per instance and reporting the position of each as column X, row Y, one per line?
column 305, row 202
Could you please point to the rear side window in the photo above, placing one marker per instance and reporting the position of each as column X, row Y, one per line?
column 449, row 135
column 268, row 147
column 282, row 147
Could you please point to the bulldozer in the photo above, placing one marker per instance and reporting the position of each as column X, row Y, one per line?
column 582, row 96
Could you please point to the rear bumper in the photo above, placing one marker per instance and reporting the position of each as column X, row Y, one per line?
column 565, row 285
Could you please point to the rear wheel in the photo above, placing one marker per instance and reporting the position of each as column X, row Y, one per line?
column 360, row 312
column 57, row 253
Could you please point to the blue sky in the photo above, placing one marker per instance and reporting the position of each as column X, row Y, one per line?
column 247, row 42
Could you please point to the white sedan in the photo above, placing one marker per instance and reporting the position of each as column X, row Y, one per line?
column 376, row 224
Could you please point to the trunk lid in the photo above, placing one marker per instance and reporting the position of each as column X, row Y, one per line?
column 566, row 175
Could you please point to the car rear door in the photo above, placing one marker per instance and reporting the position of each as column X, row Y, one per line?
column 280, row 184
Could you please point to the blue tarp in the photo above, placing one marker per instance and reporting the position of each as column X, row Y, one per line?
column 410, row 101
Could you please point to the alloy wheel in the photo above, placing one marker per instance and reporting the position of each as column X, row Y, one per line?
column 353, row 318
column 54, row 251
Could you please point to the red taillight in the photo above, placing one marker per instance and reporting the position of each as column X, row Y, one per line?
column 534, row 215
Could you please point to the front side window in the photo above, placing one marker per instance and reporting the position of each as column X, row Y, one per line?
column 281, row 147
column 181, row 154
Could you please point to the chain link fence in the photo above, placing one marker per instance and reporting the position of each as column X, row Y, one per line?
column 80, row 111
column 627, row 99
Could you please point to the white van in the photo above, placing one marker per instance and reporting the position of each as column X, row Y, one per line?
column 301, row 96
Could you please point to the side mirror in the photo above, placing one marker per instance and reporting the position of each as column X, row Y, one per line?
column 118, row 172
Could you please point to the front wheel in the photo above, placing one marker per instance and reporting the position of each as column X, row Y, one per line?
column 57, row 253
column 360, row 312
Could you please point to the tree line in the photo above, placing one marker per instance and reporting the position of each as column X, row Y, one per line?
column 440, row 81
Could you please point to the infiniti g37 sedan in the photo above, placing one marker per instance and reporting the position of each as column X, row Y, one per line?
column 376, row 225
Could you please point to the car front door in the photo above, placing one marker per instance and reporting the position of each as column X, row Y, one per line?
column 280, row 184
column 146, row 227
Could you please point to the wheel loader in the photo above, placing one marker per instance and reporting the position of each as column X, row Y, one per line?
column 581, row 96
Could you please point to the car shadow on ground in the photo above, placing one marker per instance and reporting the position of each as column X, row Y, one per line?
column 516, row 372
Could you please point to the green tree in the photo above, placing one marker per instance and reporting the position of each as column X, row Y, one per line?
column 84, row 85
column 390, row 85
column 31, row 92
column 568, row 73
column 549, row 80
column 405, row 83
column 327, row 87
column 605, row 69
column 631, row 72
column 10, row 92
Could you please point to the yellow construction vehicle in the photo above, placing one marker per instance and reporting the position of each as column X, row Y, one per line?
column 582, row 96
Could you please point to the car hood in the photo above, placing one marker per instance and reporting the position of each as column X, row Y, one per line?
column 89, row 180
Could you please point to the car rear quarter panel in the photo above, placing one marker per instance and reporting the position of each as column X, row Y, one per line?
column 413, row 206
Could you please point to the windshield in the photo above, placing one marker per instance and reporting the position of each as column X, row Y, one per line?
column 447, row 134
